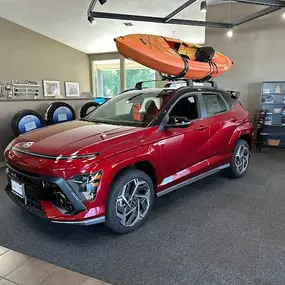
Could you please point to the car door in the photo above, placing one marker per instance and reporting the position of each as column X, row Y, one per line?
column 184, row 151
column 222, row 124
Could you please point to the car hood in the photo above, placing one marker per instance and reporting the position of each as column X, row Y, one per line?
column 77, row 138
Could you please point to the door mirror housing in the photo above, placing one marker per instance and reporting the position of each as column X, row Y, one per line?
column 177, row 122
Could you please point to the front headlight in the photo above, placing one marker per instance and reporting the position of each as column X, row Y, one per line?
column 86, row 185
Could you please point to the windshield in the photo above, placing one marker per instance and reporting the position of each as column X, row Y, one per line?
column 135, row 108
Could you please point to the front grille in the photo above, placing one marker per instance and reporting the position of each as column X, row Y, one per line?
column 35, row 203
column 36, row 190
column 32, row 205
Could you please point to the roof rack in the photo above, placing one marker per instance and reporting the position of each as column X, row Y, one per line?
column 173, row 80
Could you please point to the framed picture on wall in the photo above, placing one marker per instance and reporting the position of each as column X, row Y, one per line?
column 51, row 88
column 72, row 89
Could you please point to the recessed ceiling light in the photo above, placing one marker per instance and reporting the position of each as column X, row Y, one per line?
column 230, row 33
column 128, row 24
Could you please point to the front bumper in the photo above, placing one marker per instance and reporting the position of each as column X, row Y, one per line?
column 41, row 198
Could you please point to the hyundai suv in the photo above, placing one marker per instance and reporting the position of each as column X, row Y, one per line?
column 142, row 144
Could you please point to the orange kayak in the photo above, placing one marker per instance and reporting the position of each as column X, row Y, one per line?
column 172, row 57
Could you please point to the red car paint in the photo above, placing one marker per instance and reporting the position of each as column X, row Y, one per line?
column 175, row 154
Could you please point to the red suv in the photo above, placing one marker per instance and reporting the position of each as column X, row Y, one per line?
column 141, row 144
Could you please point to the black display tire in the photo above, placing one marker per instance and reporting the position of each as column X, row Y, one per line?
column 53, row 108
column 15, row 123
column 234, row 171
column 85, row 108
column 124, row 177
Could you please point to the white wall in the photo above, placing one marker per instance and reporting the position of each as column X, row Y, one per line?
column 258, row 55
column 27, row 55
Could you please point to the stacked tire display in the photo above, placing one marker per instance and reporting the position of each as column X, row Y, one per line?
column 88, row 108
column 57, row 112
column 26, row 121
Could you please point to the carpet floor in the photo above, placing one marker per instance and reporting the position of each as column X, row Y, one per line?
column 216, row 231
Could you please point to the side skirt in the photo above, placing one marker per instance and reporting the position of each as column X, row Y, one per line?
column 192, row 180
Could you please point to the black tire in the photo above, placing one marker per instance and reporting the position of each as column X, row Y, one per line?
column 88, row 108
column 59, row 112
column 26, row 121
column 125, row 176
column 233, row 170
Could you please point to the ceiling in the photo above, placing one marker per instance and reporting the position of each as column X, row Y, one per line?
column 66, row 21
column 236, row 11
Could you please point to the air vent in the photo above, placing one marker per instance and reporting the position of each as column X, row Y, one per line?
column 128, row 24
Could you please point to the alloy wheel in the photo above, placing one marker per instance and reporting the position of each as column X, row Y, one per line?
column 133, row 203
column 242, row 159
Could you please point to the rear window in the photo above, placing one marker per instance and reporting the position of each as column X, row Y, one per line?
column 228, row 98
column 214, row 103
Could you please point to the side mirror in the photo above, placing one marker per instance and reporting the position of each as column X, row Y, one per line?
column 177, row 122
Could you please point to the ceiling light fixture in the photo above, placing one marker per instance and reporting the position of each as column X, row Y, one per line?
column 203, row 7
column 91, row 20
column 283, row 16
column 102, row 2
column 230, row 33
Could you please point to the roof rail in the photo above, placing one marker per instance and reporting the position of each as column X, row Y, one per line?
column 173, row 80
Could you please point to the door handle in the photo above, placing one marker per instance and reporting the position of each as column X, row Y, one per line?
column 202, row 127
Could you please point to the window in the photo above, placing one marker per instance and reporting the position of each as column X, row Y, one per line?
column 228, row 98
column 135, row 108
column 214, row 103
column 107, row 78
column 185, row 107
column 136, row 73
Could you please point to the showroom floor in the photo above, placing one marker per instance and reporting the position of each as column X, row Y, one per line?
column 218, row 231
column 20, row 269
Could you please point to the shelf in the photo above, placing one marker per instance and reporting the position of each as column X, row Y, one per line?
column 29, row 85
column 268, row 94
column 273, row 125
column 277, row 103
column 46, row 100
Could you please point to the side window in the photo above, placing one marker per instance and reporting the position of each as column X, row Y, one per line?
column 214, row 103
column 186, row 107
column 228, row 98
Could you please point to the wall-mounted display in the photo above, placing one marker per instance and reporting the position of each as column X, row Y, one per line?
column 59, row 112
column 33, row 89
column 267, row 99
column 277, row 89
column 51, row 88
column 19, row 89
column 273, row 108
column 72, row 89
column 277, row 110
column 27, row 89
column 268, row 119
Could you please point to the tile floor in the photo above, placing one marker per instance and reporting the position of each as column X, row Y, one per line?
column 20, row 269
